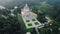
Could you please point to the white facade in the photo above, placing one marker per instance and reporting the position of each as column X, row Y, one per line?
column 29, row 18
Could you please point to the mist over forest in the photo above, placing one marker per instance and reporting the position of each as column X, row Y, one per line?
column 15, row 2
column 9, row 23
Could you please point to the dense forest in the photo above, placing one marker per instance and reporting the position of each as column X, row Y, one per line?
column 9, row 23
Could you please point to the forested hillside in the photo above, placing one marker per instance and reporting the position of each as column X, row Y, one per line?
column 9, row 23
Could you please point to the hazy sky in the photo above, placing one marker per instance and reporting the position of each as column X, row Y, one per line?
column 5, row 1
column 8, row 2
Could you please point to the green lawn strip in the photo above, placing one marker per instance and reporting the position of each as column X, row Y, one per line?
column 29, row 30
column 36, row 23
column 30, row 24
column 27, row 20
column 22, row 22
column 23, row 25
column 33, row 19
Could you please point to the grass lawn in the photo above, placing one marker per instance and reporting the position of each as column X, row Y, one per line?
column 23, row 25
